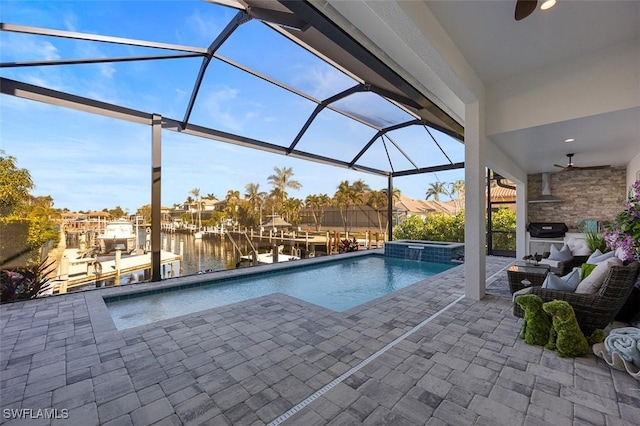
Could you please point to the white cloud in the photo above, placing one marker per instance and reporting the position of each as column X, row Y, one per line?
column 195, row 22
column 18, row 46
column 70, row 21
column 222, row 108
column 107, row 70
column 321, row 81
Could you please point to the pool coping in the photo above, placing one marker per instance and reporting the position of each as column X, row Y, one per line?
column 102, row 322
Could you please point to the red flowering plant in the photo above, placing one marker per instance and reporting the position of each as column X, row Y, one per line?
column 624, row 232
column 347, row 246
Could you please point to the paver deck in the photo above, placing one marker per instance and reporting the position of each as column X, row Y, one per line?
column 423, row 355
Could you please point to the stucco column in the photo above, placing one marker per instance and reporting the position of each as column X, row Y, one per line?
column 474, row 178
column 521, row 220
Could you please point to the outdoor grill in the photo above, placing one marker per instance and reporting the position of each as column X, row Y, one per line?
column 547, row 229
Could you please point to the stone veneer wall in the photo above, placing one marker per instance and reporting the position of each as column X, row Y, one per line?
column 587, row 194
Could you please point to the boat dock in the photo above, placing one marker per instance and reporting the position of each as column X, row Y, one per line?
column 75, row 271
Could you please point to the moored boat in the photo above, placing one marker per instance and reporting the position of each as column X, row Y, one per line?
column 119, row 234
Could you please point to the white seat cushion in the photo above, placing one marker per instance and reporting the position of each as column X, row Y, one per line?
column 552, row 263
column 520, row 292
column 594, row 281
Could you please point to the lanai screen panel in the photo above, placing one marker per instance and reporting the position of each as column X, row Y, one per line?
column 334, row 134
column 226, row 98
column 253, row 45
column 384, row 154
column 418, row 144
column 237, row 102
column 373, row 108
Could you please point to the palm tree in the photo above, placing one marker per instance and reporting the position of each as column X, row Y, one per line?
column 435, row 190
column 317, row 204
column 232, row 203
column 360, row 186
column 456, row 192
column 344, row 198
column 379, row 201
column 292, row 207
column 255, row 198
column 189, row 202
column 196, row 193
column 210, row 196
column 281, row 180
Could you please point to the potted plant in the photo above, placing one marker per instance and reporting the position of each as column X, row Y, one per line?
column 624, row 234
column 624, row 231
column 595, row 240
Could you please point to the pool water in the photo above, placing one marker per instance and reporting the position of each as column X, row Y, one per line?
column 338, row 286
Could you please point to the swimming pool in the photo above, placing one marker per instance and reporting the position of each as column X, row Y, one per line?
column 338, row 285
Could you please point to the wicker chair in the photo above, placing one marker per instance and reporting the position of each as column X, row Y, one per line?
column 597, row 310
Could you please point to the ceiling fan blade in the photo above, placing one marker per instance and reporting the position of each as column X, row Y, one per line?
column 558, row 165
column 591, row 167
column 525, row 8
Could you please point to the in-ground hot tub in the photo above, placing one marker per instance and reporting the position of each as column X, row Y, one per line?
column 428, row 251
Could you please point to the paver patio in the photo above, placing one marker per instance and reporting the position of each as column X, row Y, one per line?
column 389, row 361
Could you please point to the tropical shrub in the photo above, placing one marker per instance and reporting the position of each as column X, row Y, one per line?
column 25, row 282
column 445, row 227
column 411, row 228
column 503, row 224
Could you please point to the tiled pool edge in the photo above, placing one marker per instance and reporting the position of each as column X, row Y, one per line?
column 426, row 251
column 101, row 319
column 102, row 322
column 202, row 279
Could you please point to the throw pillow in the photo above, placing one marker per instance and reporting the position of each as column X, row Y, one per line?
column 593, row 282
column 567, row 283
column 586, row 269
column 598, row 256
column 564, row 255
column 578, row 247
column 596, row 253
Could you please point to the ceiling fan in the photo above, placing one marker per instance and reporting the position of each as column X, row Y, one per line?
column 570, row 166
column 525, row 8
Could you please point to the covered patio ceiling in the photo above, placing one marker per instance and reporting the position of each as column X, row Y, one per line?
column 398, row 132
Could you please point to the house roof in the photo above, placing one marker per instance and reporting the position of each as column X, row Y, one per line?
column 500, row 193
column 276, row 222
column 416, row 206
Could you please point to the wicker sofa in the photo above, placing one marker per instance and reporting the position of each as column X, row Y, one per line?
column 563, row 268
column 596, row 310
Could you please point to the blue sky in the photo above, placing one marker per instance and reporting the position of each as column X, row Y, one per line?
column 86, row 161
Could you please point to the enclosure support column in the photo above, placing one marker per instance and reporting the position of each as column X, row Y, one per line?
column 389, row 210
column 474, row 178
column 521, row 221
column 156, row 148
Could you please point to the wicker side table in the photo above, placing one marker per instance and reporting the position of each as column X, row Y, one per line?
column 521, row 276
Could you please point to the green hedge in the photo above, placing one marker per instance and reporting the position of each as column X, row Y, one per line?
column 445, row 227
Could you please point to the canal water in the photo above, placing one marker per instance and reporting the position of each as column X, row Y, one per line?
column 211, row 253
